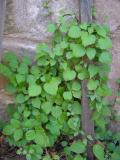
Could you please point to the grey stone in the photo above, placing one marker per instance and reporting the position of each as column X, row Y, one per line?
column 26, row 22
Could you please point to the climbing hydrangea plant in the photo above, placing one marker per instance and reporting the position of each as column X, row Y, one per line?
column 47, row 92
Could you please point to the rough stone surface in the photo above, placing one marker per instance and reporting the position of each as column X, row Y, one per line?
column 26, row 21
column 109, row 12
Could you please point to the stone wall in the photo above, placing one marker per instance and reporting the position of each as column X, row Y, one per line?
column 26, row 22
column 109, row 12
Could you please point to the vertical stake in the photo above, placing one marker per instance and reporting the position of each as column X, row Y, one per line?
column 2, row 19
column 85, row 14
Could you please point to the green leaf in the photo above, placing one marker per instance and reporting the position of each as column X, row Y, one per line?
column 104, row 43
column 101, row 31
column 10, row 110
column 83, row 74
column 79, row 157
column 115, row 156
column 77, row 94
column 43, row 61
column 67, row 95
column 41, row 138
column 15, row 123
column 20, row 78
column 20, row 98
column 18, row 134
column 26, row 113
column 93, row 70
column 46, row 107
column 54, row 127
column 36, row 103
column 35, row 70
column 78, row 147
column 74, row 32
column 105, row 57
column 11, row 58
column 58, row 50
column 64, row 28
column 63, row 65
column 69, row 74
column 31, row 80
column 92, row 84
column 51, row 28
column 8, row 130
column 34, row 90
column 76, row 108
column 74, row 123
column 87, row 39
column 43, row 118
column 78, row 68
column 98, row 150
column 5, row 71
column 23, row 69
column 76, row 86
column 78, row 50
column 69, row 55
column 91, row 52
column 30, row 135
column 52, row 86
column 29, row 123
column 104, row 91
column 84, row 26
column 10, row 88
column 64, row 44
column 41, row 50
column 56, row 111
column 47, row 158
column 26, row 60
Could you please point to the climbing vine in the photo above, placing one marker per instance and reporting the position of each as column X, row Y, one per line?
column 46, row 122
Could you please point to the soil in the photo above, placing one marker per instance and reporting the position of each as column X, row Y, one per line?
column 7, row 152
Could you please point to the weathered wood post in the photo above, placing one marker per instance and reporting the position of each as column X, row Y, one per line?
column 87, row 124
column 2, row 18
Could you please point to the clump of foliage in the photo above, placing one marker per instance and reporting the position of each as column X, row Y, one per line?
column 47, row 94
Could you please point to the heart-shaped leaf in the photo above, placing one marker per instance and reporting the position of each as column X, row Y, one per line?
column 78, row 147
column 67, row 95
column 74, row 32
column 18, row 134
column 93, row 70
column 76, row 86
column 104, row 43
column 51, row 28
column 83, row 74
column 52, row 86
column 91, row 52
column 87, row 39
column 34, row 90
column 92, row 84
column 105, row 57
column 78, row 50
column 69, row 74
column 74, row 123
column 30, row 135
column 56, row 112
column 46, row 107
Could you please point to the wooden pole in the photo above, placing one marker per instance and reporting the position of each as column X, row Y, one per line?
column 86, row 10
column 87, row 124
column 2, row 18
